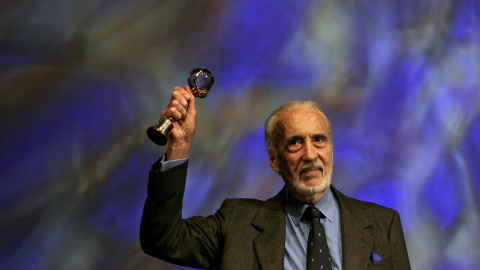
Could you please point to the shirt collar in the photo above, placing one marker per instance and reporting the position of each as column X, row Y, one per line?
column 295, row 208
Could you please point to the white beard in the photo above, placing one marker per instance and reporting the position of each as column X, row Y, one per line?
column 299, row 186
column 305, row 190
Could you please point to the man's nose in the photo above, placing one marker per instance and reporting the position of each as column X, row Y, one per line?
column 309, row 153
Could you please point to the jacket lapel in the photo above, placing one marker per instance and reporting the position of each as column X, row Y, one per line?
column 270, row 222
column 356, row 240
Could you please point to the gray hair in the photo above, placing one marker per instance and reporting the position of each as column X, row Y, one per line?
column 271, row 134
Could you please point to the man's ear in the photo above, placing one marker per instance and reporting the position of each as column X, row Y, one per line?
column 273, row 162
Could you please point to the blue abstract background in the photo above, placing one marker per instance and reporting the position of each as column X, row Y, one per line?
column 80, row 82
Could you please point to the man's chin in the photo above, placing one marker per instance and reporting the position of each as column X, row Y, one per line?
column 310, row 190
column 307, row 185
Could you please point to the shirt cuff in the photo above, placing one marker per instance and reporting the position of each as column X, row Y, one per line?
column 168, row 164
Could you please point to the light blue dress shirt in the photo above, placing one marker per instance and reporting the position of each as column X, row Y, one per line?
column 297, row 231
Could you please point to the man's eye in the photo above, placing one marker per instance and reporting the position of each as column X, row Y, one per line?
column 294, row 142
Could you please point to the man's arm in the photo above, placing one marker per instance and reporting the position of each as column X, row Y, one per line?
column 163, row 233
column 194, row 242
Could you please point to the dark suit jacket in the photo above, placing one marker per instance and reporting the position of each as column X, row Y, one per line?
column 250, row 234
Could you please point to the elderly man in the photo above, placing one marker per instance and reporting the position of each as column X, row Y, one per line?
column 307, row 225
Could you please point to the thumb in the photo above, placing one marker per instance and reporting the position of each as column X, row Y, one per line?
column 191, row 105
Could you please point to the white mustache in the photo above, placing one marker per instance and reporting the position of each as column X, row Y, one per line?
column 315, row 164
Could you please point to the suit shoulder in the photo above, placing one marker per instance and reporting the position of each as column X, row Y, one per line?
column 368, row 206
column 365, row 208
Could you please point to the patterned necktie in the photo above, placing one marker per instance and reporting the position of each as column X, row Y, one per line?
column 318, row 256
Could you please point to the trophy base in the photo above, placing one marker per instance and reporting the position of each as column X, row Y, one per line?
column 156, row 136
column 158, row 133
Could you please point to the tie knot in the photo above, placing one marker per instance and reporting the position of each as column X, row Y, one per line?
column 312, row 212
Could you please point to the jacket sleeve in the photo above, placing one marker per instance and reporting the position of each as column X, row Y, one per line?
column 194, row 242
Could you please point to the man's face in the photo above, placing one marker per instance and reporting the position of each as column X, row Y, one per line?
column 304, row 155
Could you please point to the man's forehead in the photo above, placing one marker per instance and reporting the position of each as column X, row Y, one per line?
column 302, row 120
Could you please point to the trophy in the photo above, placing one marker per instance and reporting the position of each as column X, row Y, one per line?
column 200, row 81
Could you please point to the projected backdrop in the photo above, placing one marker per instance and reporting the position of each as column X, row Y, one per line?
column 80, row 82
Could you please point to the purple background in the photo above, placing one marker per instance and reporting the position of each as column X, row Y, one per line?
column 80, row 81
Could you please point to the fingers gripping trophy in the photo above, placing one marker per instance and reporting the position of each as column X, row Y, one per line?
column 200, row 81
